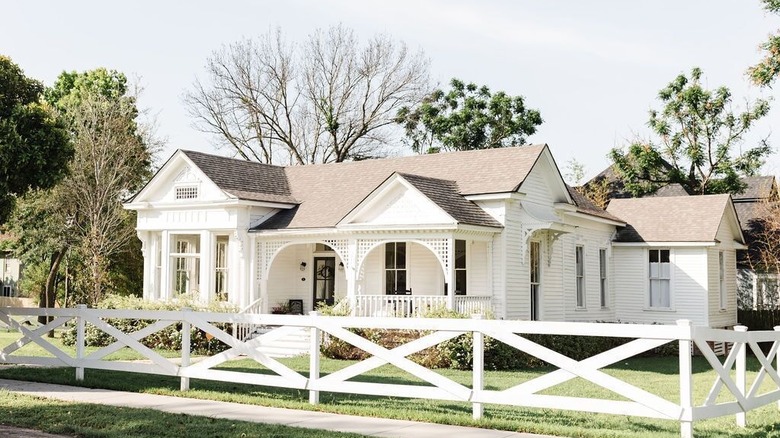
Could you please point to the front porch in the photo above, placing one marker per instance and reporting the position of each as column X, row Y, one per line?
column 399, row 275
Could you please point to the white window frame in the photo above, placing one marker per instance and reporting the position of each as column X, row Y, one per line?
column 650, row 278
column 464, row 269
column 722, row 280
column 395, row 268
column 535, row 286
column 187, row 262
column 221, row 270
column 603, row 278
column 579, row 276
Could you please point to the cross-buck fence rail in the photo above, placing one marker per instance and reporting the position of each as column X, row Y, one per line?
column 636, row 401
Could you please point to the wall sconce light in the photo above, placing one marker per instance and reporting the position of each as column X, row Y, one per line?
column 341, row 266
column 303, row 266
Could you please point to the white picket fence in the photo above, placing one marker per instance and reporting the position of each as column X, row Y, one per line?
column 728, row 395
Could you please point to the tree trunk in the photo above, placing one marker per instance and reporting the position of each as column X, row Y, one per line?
column 49, row 293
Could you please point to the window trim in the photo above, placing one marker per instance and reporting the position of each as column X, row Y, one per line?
column 723, row 299
column 396, row 269
column 535, row 314
column 648, row 303
column 579, row 277
column 603, row 278
column 464, row 269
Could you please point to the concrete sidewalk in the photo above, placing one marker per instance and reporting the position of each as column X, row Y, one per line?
column 378, row 427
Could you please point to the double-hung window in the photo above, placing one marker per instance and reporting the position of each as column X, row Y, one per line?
column 460, row 267
column 722, row 280
column 395, row 267
column 603, row 277
column 579, row 254
column 660, row 279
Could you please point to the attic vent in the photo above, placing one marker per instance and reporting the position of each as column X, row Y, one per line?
column 186, row 192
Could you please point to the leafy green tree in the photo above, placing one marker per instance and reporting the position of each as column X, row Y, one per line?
column 698, row 135
column 82, row 216
column 766, row 71
column 34, row 146
column 467, row 117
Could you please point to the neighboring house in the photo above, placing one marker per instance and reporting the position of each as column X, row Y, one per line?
column 492, row 229
column 755, row 286
column 10, row 274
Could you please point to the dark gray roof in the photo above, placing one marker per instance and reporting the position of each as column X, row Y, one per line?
column 445, row 194
column 673, row 189
column 245, row 179
column 758, row 187
column 586, row 206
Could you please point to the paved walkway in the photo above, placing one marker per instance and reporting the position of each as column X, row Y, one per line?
column 377, row 427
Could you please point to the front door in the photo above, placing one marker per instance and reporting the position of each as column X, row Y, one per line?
column 324, row 280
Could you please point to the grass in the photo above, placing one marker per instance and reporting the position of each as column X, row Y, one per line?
column 89, row 420
column 658, row 375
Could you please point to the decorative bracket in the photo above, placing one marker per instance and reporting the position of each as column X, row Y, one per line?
column 552, row 237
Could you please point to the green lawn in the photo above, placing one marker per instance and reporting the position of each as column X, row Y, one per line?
column 658, row 375
column 89, row 420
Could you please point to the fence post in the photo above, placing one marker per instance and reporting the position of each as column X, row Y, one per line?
column 80, row 340
column 741, row 372
column 314, row 359
column 185, row 347
column 777, row 357
column 478, row 369
column 686, row 380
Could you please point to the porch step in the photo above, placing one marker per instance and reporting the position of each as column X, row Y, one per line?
column 292, row 344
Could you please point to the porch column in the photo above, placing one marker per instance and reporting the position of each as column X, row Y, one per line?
column 253, row 263
column 164, row 288
column 206, row 279
column 350, row 270
column 263, row 277
column 449, row 277
column 147, row 252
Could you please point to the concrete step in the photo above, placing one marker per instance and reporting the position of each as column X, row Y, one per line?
column 295, row 343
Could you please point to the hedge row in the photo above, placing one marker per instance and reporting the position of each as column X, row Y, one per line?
column 168, row 338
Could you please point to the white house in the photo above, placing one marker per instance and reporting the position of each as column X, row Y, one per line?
column 495, row 229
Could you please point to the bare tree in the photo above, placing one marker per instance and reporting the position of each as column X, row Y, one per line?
column 111, row 158
column 327, row 100
column 763, row 255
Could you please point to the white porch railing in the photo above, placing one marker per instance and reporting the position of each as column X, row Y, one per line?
column 242, row 330
column 416, row 306
column 730, row 393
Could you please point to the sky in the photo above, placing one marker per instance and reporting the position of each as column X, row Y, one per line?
column 592, row 68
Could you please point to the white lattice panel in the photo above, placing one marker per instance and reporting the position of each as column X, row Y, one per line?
column 259, row 260
column 271, row 248
column 341, row 247
column 363, row 247
column 441, row 248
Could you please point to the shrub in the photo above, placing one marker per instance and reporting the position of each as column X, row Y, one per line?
column 457, row 353
column 167, row 339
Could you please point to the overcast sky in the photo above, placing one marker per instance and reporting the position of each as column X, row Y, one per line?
column 593, row 68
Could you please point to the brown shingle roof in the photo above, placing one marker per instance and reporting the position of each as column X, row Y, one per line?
column 327, row 192
column 673, row 189
column 244, row 179
column 670, row 219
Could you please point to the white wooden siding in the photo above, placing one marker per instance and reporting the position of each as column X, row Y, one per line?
column 286, row 281
column 402, row 205
column 688, row 286
column 424, row 273
column 518, row 299
column 718, row 317
column 477, row 268
column 591, row 240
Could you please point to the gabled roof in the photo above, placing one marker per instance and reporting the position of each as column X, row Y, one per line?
column 444, row 193
column 671, row 219
column 327, row 192
column 244, row 179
